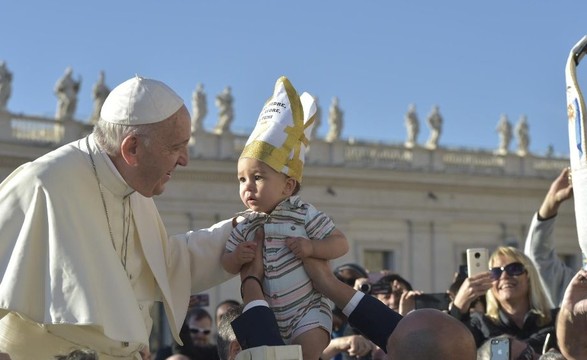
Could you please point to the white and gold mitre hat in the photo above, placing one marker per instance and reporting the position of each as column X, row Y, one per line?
column 280, row 137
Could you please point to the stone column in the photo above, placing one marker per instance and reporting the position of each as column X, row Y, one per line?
column 428, row 252
column 420, row 254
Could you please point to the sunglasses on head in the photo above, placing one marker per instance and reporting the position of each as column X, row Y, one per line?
column 198, row 330
column 513, row 269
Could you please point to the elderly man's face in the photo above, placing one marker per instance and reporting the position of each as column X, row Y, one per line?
column 166, row 149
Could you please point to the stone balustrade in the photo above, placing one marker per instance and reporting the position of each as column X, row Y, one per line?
column 19, row 128
column 40, row 130
column 393, row 156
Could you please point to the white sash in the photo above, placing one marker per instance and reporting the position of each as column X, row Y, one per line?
column 577, row 138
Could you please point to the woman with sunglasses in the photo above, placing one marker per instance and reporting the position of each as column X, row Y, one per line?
column 517, row 304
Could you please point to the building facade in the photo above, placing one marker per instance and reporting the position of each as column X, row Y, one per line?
column 412, row 210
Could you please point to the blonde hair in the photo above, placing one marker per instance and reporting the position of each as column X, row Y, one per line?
column 537, row 298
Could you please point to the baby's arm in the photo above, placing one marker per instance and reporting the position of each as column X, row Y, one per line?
column 331, row 247
column 242, row 254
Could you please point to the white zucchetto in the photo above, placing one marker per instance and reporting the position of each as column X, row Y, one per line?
column 139, row 101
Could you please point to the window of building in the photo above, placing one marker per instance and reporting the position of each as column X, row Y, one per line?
column 376, row 260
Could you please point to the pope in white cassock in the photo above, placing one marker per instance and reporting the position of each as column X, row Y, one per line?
column 83, row 251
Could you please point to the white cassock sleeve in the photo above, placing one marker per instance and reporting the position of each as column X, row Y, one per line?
column 205, row 248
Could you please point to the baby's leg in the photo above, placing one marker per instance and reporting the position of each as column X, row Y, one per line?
column 313, row 343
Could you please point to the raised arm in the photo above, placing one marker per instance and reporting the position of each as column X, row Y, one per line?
column 472, row 288
column 369, row 315
column 257, row 325
column 560, row 190
column 540, row 246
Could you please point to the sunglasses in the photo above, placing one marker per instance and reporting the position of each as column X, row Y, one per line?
column 198, row 330
column 513, row 269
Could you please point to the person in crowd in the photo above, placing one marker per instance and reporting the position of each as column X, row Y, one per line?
column 257, row 326
column 431, row 334
column 348, row 273
column 228, row 346
column 223, row 307
column 80, row 229
column 200, row 326
column 572, row 318
column 399, row 294
column 394, row 291
column 195, row 336
column 269, row 172
column 346, row 343
column 540, row 246
column 517, row 304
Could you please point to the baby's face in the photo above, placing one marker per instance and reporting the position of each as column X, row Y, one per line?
column 262, row 188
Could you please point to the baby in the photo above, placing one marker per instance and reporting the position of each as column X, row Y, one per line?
column 269, row 173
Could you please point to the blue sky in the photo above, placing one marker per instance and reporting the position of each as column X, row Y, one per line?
column 475, row 60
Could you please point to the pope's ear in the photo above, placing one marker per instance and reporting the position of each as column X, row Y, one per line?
column 129, row 150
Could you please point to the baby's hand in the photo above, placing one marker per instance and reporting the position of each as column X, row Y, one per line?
column 301, row 247
column 245, row 252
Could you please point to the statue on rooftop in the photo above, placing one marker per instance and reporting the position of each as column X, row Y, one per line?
column 5, row 85
column 523, row 135
column 504, row 129
column 224, row 102
column 199, row 108
column 99, row 93
column 435, row 125
column 66, row 90
column 335, row 120
column 412, row 126
column 317, row 119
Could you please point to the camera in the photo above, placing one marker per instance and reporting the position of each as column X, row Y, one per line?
column 376, row 288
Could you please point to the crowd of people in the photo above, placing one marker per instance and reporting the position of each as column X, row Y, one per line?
column 97, row 273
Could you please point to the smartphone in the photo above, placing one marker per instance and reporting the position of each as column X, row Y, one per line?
column 438, row 301
column 477, row 261
column 500, row 348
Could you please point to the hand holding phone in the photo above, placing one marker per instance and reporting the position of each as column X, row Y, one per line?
column 477, row 261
